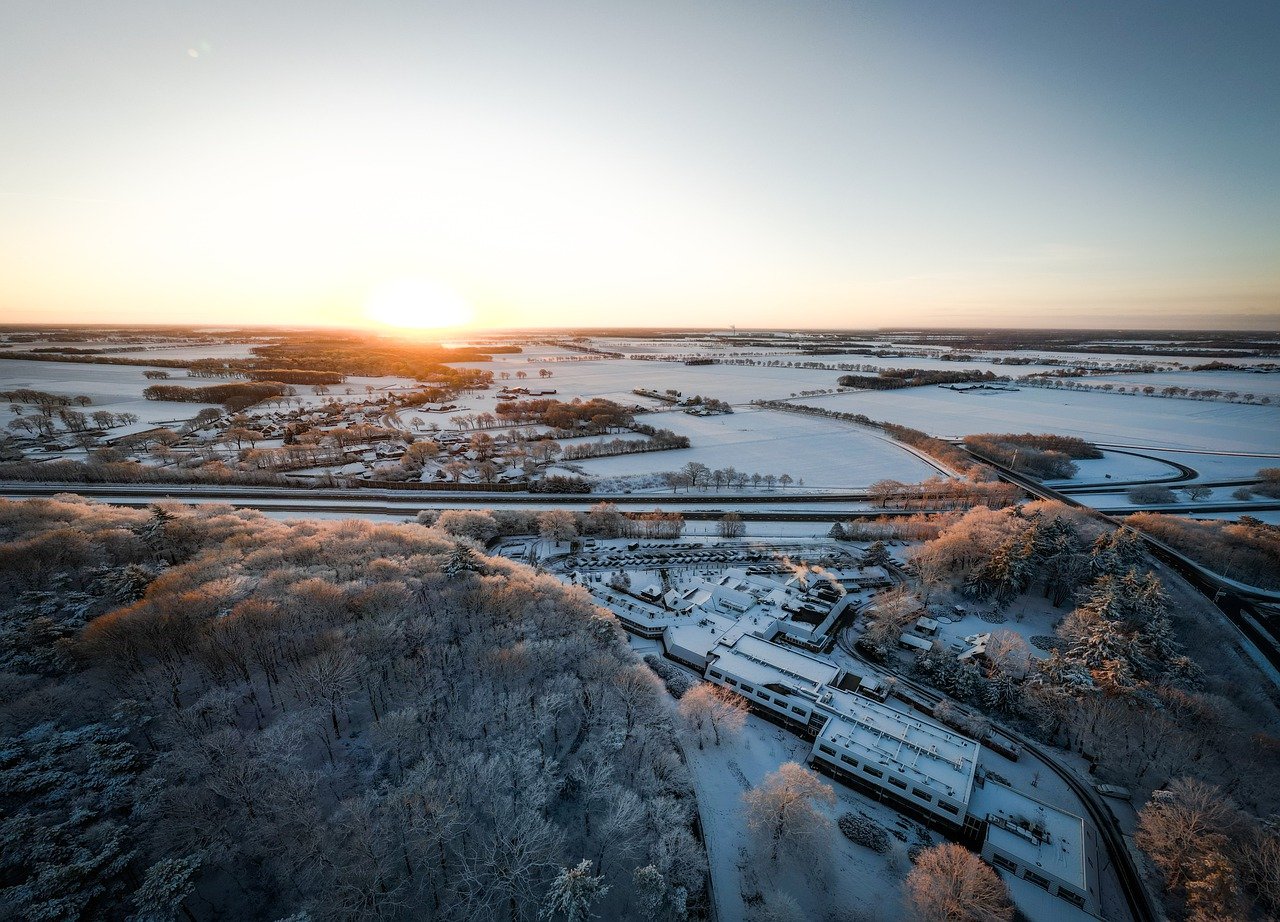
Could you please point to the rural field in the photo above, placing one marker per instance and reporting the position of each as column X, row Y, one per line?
column 816, row 453
column 1107, row 418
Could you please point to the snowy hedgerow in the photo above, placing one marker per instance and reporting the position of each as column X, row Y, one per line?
column 864, row 831
column 676, row 681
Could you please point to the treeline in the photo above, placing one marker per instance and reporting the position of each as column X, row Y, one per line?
column 888, row 379
column 296, row 376
column 595, row 414
column 661, row 440
column 236, row 396
column 1247, row 550
column 211, row 714
column 921, row 527
column 371, row 356
column 944, row 494
column 64, row 471
column 1044, row 456
column 603, row 520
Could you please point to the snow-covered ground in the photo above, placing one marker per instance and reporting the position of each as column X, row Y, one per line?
column 842, row 876
column 198, row 351
column 1097, row 416
column 1115, row 465
column 115, row 388
column 616, row 378
column 821, row 452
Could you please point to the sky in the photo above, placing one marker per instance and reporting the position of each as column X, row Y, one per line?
column 785, row 164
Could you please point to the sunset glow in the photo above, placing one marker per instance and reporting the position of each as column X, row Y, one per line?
column 417, row 304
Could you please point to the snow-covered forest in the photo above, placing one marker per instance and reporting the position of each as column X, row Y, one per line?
column 209, row 714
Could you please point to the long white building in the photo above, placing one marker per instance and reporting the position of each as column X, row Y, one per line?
column 921, row 766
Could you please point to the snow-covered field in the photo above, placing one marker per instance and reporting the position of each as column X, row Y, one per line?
column 822, row 453
column 1108, row 418
column 116, row 388
column 1118, row 466
column 206, row 351
column 1241, row 382
column 616, row 378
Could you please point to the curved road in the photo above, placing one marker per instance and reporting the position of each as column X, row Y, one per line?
column 1104, row 821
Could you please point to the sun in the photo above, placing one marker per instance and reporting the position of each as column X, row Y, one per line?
column 417, row 304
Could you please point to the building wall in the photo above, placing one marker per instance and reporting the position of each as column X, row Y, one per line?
column 1012, row 864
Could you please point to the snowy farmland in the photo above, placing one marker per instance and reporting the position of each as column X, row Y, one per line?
column 822, row 453
column 616, row 378
column 1100, row 417
column 116, row 388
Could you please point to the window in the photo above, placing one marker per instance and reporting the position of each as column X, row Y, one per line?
column 732, row 682
column 762, row 696
column 1036, row 878
column 950, row 808
column 827, row 749
column 1001, row 861
column 801, row 711
column 1075, row 899
column 716, row 675
column 926, row 797
column 873, row 772
column 897, row 782
column 853, row 762
column 747, row 688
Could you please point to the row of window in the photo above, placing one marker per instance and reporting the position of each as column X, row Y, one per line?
column 745, row 688
column 1001, row 861
column 893, row 779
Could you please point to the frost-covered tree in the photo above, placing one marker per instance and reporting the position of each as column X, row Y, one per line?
column 164, row 889
column 786, row 808
column 710, row 707
column 949, row 883
column 573, row 892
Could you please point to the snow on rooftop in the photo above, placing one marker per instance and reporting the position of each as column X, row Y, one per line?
column 928, row 753
column 697, row 636
column 1039, row 834
column 760, row 662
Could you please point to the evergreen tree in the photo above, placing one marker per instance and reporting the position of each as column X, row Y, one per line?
column 165, row 886
column 572, row 893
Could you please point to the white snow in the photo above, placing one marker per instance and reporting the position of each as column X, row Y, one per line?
column 1097, row 416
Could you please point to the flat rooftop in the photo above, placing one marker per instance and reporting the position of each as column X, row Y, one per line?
column 926, row 752
column 698, row 634
column 1057, row 846
column 760, row 662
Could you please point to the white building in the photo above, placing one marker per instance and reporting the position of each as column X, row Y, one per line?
column 1039, row 843
column 921, row 766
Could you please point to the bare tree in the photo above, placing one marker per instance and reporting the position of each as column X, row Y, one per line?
column 785, row 808
column 711, row 707
column 949, row 883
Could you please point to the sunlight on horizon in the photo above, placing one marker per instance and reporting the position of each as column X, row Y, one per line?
column 417, row 304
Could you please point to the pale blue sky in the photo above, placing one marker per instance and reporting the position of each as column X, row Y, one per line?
column 701, row 163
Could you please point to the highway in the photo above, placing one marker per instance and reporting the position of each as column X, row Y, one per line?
column 1235, row 600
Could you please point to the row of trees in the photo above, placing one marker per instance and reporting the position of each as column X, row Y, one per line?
column 943, row 494
column 892, row 378
column 236, row 396
column 1146, row 390
column 1247, row 550
column 695, row 474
